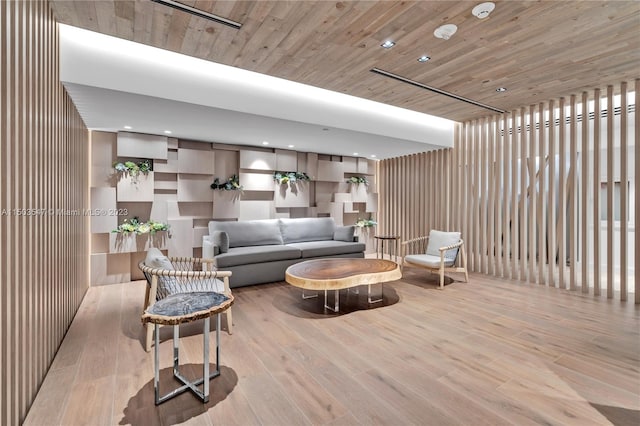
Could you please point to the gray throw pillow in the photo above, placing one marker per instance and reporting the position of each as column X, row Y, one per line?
column 221, row 240
column 344, row 233
column 155, row 259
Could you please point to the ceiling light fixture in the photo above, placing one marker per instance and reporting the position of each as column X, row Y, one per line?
column 483, row 10
column 388, row 44
column 290, row 146
column 127, row 127
column 200, row 13
column 355, row 153
column 265, row 143
column 501, row 89
column 445, row 31
column 423, row 58
column 373, row 156
column 433, row 89
column 168, row 132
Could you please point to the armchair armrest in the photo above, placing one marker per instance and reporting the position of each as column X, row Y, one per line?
column 414, row 245
column 450, row 247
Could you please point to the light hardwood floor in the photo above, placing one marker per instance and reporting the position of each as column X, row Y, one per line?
column 490, row 352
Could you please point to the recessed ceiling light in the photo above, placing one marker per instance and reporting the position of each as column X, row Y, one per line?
column 423, row 58
column 265, row 143
column 127, row 127
column 373, row 156
column 168, row 132
column 388, row 44
column 483, row 10
column 501, row 89
column 290, row 146
column 445, row 31
column 355, row 153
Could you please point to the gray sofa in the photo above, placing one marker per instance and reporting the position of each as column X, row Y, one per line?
column 259, row 251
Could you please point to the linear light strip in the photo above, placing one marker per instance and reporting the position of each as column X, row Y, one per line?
column 433, row 89
column 200, row 13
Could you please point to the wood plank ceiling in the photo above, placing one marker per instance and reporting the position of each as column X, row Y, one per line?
column 538, row 50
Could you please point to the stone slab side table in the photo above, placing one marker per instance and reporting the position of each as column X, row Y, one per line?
column 178, row 309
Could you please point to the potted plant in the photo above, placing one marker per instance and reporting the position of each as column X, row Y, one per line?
column 356, row 180
column 232, row 184
column 290, row 177
column 133, row 169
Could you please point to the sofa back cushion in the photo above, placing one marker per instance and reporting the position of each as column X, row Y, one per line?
column 307, row 229
column 250, row 232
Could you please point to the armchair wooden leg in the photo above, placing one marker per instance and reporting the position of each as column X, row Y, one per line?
column 149, row 338
column 229, row 321
column 441, row 279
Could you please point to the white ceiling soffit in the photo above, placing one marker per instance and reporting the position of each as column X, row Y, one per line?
column 101, row 61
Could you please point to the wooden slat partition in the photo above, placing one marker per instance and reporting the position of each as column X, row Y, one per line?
column 526, row 222
column 44, row 177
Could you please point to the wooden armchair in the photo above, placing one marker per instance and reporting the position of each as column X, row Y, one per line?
column 170, row 275
column 437, row 253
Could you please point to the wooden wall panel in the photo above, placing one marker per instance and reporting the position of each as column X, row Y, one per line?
column 519, row 186
column 636, row 140
column 44, row 231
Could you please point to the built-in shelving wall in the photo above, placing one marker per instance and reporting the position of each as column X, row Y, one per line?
column 177, row 191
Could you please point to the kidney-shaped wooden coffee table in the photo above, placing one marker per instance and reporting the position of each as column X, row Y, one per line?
column 340, row 273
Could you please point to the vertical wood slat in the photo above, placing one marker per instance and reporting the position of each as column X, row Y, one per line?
column 482, row 193
column 476, row 198
column 552, row 205
column 584, row 185
column 624, row 185
column 572, row 193
column 532, row 212
column 43, row 266
column 523, row 212
column 610, row 142
column 596, row 192
column 636, row 141
column 490, row 193
column 514, row 196
column 497, row 191
column 506, row 185
column 562, row 196
column 541, row 200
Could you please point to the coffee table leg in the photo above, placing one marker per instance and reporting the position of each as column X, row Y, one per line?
column 336, row 301
column 306, row 296
column 369, row 294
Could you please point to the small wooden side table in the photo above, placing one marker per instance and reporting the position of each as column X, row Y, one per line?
column 178, row 309
column 393, row 246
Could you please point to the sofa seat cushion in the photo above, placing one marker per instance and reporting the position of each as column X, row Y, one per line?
column 427, row 260
column 327, row 248
column 255, row 254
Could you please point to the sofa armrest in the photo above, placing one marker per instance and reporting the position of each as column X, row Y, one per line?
column 209, row 249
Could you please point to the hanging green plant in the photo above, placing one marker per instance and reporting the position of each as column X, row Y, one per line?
column 233, row 184
column 290, row 177
column 133, row 169
column 356, row 180
column 136, row 226
column 366, row 223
